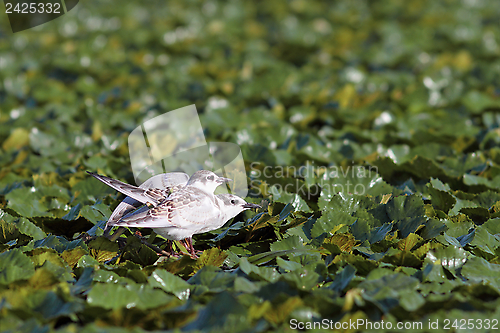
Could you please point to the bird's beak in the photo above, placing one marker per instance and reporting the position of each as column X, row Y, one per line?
column 251, row 205
column 222, row 180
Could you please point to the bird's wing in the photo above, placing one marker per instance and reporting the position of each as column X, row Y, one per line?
column 185, row 208
column 126, row 206
column 152, row 195
column 137, row 211
column 166, row 180
column 171, row 181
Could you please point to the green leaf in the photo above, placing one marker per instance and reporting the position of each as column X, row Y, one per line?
column 73, row 256
column 73, row 213
column 432, row 229
column 96, row 213
column 412, row 301
column 17, row 198
column 258, row 273
column 382, row 290
column 134, row 250
column 452, row 257
column 288, row 265
column 418, row 166
column 350, row 182
column 302, row 279
column 492, row 226
column 103, row 249
column 441, row 200
column 170, row 283
column 477, row 214
column 18, row 138
column 14, row 266
column 293, row 199
column 452, row 240
column 8, row 232
column 478, row 270
column 466, row 239
column 214, row 257
column 59, row 243
column 343, row 278
column 28, row 228
column 408, row 212
column 264, row 257
column 116, row 296
column 485, row 241
column 362, row 231
column 87, row 261
column 222, row 314
column 477, row 101
column 89, row 189
column 340, row 210
column 22, row 225
column 49, row 305
column 213, row 279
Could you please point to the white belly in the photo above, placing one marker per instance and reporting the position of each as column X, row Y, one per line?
column 174, row 233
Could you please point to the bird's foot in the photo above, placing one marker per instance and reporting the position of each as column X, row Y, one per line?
column 188, row 244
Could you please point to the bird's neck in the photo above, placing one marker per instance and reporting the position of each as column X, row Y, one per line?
column 220, row 204
column 203, row 188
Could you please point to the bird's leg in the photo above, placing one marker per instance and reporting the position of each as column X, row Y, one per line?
column 192, row 251
column 184, row 243
column 189, row 247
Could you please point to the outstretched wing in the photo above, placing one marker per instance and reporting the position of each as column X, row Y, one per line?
column 186, row 208
column 170, row 182
column 152, row 195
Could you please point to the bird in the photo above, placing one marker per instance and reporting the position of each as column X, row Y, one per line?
column 185, row 209
column 187, row 212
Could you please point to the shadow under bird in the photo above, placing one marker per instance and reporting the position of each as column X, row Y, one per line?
column 189, row 210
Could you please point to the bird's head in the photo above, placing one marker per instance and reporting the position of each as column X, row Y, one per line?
column 206, row 180
column 231, row 205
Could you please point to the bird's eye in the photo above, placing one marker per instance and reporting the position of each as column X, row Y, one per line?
column 210, row 177
column 233, row 202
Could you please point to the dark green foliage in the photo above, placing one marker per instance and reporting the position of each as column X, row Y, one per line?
column 370, row 134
